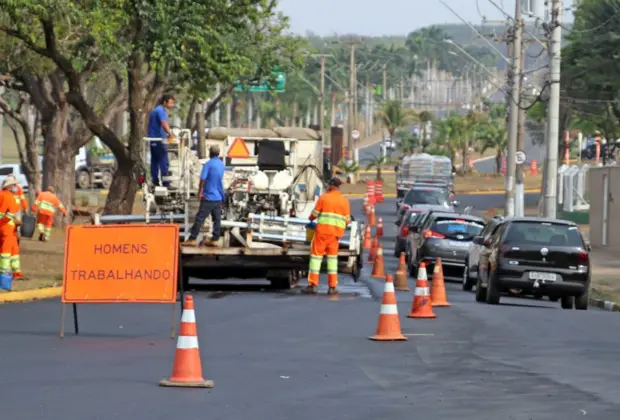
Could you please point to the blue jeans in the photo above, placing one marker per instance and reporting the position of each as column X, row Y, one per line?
column 213, row 208
column 159, row 162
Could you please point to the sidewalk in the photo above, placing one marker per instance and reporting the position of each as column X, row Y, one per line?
column 605, row 274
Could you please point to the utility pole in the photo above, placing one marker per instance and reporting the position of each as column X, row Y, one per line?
column 513, row 117
column 519, row 188
column 351, row 117
column 322, row 99
column 384, row 92
column 553, row 110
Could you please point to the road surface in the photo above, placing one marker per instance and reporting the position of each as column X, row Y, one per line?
column 281, row 356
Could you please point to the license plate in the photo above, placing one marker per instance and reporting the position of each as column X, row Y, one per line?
column 457, row 244
column 543, row 276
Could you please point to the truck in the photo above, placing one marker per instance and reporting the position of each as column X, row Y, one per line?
column 423, row 168
column 272, row 180
column 94, row 170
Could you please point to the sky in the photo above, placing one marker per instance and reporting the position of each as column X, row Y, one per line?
column 387, row 17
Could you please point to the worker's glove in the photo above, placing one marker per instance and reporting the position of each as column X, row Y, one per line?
column 18, row 222
column 311, row 225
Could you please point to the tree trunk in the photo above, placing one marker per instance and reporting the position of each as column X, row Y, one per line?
column 465, row 166
column 498, row 162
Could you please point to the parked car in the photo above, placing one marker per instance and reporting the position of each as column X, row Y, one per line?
column 448, row 236
column 16, row 169
column 545, row 257
column 470, row 272
column 426, row 195
column 406, row 222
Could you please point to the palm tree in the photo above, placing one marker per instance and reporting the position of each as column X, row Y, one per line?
column 425, row 117
column 394, row 116
column 376, row 162
column 349, row 168
column 407, row 142
column 494, row 136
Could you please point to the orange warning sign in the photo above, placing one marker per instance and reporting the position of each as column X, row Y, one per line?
column 238, row 150
column 121, row 264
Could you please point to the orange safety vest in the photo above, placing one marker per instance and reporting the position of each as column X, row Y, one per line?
column 333, row 214
column 21, row 198
column 8, row 208
column 47, row 203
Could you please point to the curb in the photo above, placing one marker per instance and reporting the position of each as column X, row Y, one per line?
column 605, row 305
column 30, row 295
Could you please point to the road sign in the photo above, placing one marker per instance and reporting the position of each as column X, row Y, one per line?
column 355, row 134
column 238, row 150
column 266, row 85
column 520, row 157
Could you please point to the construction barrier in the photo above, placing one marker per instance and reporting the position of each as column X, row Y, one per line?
column 370, row 192
column 379, row 191
column 534, row 167
column 120, row 264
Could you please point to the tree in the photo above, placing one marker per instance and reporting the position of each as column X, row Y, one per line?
column 494, row 136
column 394, row 116
column 206, row 42
column 376, row 162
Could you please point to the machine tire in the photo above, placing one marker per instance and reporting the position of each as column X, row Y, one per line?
column 567, row 302
column 481, row 292
column 83, row 179
column 284, row 280
column 582, row 301
column 493, row 295
column 106, row 179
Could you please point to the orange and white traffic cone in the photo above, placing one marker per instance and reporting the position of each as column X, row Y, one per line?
column 401, row 274
column 367, row 238
column 378, row 270
column 187, row 369
column 422, row 306
column 380, row 228
column 373, row 250
column 438, row 288
column 388, row 327
column 368, row 205
column 372, row 221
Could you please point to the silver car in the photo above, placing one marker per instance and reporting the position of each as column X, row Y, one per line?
column 470, row 273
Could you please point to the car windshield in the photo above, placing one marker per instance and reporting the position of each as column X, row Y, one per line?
column 453, row 228
column 426, row 196
column 537, row 233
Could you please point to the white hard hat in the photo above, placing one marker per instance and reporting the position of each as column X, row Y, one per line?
column 9, row 181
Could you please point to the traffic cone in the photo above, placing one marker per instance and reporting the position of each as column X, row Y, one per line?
column 380, row 228
column 388, row 327
column 422, row 306
column 365, row 205
column 438, row 288
column 372, row 221
column 401, row 275
column 367, row 238
column 187, row 369
column 368, row 205
column 373, row 250
column 378, row 270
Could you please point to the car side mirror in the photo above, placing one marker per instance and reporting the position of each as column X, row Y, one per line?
column 478, row 240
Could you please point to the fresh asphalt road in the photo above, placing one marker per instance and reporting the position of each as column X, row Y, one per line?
column 279, row 356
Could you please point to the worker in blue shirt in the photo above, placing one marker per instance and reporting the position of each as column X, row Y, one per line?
column 211, row 198
column 158, row 127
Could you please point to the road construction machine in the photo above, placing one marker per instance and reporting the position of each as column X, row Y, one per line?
column 272, row 181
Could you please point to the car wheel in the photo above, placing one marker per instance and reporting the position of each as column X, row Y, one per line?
column 481, row 292
column 493, row 294
column 567, row 302
column 581, row 301
column 467, row 286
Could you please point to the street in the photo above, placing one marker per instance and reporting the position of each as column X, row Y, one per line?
column 280, row 355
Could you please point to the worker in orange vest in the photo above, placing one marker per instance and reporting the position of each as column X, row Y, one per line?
column 332, row 214
column 9, row 221
column 46, row 205
column 22, row 203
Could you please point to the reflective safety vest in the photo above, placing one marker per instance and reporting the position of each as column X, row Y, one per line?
column 333, row 213
column 21, row 198
column 8, row 208
column 47, row 203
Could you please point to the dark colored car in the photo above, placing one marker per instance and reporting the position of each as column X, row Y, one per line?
column 426, row 195
column 405, row 222
column 470, row 273
column 541, row 257
column 447, row 236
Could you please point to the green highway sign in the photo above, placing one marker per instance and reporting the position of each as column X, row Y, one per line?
column 266, row 85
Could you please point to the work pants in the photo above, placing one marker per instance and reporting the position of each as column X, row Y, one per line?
column 212, row 208
column 322, row 245
column 159, row 162
column 9, row 250
column 44, row 223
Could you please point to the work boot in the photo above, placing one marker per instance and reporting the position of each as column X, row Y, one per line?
column 46, row 239
column 310, row 290
column 211, row 243
column 191, row 242
column 41, row 237
column 332, row 291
